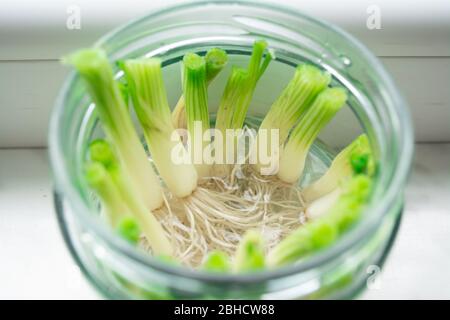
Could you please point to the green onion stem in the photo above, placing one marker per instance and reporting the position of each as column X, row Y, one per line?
column 217, row 261
column 216, row 59
column 341, row 168
column 196, row 99
column 250, row 254
column 94, row 68
column 147, row 90
column 322, row 232
column 307, row 82
column 293, row 155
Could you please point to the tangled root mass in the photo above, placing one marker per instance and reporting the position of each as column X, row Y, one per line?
column 221, row 210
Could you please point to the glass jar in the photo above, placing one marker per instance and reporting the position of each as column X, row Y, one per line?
column 119, row 270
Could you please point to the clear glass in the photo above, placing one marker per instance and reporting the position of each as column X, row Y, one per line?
column 120, row 271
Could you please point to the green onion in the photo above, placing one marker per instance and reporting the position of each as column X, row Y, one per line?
column 101, row 151
column 149, row 225
column 348, row 208
column 320, row 206
column 216, row 59
column 128, row 228
column 295, row 99
column 301, row 91
column 355, row 158
column 118, row 196
column 94, row 68
column 217, row 261
column 99, row 179
column 233, row 98
column 149, row 98
column 302, row 242
column 361, row 159
column 320, row 233
column 196, row 99
column 240, row 88
column 293, row 155
column 250, row 253
column 235, row 102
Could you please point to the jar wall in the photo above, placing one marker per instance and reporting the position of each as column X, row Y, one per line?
column 116, row 277
column 374, row 106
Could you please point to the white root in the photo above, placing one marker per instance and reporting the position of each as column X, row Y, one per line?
column 220, row 211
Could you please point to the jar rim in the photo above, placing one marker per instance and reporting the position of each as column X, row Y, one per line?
column 366, row 226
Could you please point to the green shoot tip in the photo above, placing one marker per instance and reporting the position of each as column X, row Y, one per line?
column 95, row 173
column 193, row 61
column 217, row 261
column 86, row 60
column 129, row 229
column 101, row 151
column 216, row 58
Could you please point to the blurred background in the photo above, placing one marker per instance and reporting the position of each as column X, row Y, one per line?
column 412, row 39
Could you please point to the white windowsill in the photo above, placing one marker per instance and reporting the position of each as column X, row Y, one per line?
column 36, row 264
column 413, row 43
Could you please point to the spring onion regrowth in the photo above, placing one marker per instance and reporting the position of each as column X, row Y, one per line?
column 307, row 83
column 128, row 228
column 216, row 59
column 293, row 155
column 235, row 102
column 250, row 254
column 197, row 115
column 355, row 158
column 101, row 181
column 348, row 208
column 101, row 151
column 240, row 88
column 93, row 66
column 106, row 172
column 217, row 261
column 320, row 206
column 149, row 98
column 322, row 232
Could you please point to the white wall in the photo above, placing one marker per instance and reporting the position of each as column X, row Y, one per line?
column 414, row 44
